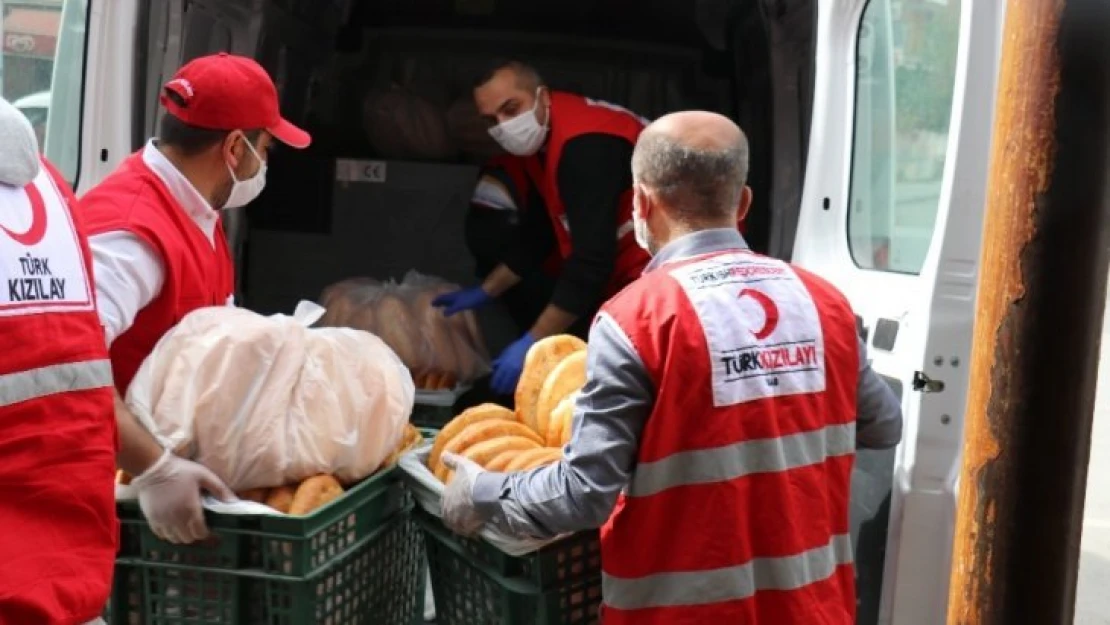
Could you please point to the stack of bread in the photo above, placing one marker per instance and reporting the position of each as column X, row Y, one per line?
column 441, row 352
column 312, row 493
column 533, row 435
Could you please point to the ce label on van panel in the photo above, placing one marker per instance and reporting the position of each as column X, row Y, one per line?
column 349, row 170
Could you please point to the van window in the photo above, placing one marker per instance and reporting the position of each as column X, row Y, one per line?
column 906, row 70
column 41, row 72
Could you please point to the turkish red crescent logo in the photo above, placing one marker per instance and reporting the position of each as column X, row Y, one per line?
column 770, row 312
column 37, row 229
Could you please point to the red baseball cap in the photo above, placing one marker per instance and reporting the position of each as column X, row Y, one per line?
column 229, row 92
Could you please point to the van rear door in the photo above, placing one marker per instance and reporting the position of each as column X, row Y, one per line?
column 892, row 214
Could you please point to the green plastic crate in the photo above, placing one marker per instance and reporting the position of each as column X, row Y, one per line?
column 429, row 416
column 476, row 584
column 125, row 602
column 356, row 560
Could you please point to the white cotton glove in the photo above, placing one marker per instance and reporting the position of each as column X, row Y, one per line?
column 170, row 493
column 459, row 513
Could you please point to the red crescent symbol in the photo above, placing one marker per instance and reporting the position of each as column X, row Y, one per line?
column 770, row 312
column 37, row 229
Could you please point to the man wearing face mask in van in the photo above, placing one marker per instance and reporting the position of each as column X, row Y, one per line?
column 577, row 152
column 159, row 250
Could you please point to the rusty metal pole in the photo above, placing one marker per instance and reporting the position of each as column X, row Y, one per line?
column 1041, row 298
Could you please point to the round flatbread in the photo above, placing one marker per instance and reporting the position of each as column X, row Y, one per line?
column 470, row 416
column 567, row 377
column 541, row 360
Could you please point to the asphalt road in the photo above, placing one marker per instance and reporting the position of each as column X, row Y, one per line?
column 1093, row 601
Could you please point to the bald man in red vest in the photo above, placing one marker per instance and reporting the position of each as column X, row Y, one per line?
column 726, row 393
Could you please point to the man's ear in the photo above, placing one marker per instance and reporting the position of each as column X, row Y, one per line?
column 231, row 149
column 745, row 204
column 642, row 202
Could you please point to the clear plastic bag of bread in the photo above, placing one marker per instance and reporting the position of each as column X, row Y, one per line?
column 456, row 341
column 381, row 309
column 268, row 401
column 441, row 352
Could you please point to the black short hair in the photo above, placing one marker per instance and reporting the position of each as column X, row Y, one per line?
column 192, row 140
column 527, row 76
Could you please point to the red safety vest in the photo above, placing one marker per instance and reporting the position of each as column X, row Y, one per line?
column 197, row 274
column 515, row 168
column 737, row 511
column 573, row 116
column 57, row 418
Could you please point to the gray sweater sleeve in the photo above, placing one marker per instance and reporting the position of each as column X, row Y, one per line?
column 878, row 411
column 580, row 491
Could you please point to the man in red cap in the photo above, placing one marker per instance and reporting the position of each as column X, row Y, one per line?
column 159, row 251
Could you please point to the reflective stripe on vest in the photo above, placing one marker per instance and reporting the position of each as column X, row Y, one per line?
column 45, row 381
column 732, row 583
column 721, row 464
column 625, row 229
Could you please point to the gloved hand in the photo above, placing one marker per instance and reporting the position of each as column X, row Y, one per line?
column 460, row 301
column 508, row 366
column 169, row 495
column 459, row 513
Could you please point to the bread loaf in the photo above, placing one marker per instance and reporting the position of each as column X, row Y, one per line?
column 257, row 495
column 474, row 333
column 540, row 361
column 567, row 377
column 343, row 298
column 483, row 431
column 469, row 131
column 443, row 357
column 501, row 461
column 396, row 328
column 466, row 418
column 487, row 450
column 412, row 438
column 314, row 493
column 402, row 125
column 533, row 458
column 439, row 351
column 467, row 351
column 568, row 421
column 281, row 498
column 558, row 425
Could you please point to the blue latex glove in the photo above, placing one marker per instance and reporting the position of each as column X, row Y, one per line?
column 509, row 365
column 460, row 301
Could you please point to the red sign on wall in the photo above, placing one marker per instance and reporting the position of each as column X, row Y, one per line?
column 31, row 32
column 29, row 45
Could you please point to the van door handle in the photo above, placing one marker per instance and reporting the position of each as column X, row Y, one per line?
column 924, row 384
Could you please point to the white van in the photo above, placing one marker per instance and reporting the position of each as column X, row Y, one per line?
column 870, row 128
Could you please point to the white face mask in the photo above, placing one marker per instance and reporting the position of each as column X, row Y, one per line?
column 522, row 135
column 244, row 191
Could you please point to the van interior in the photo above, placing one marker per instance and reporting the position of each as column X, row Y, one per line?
column 345, row 207
column 749, row 60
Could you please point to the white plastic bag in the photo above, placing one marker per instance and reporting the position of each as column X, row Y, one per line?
column 267, row 401
column 428, row 492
